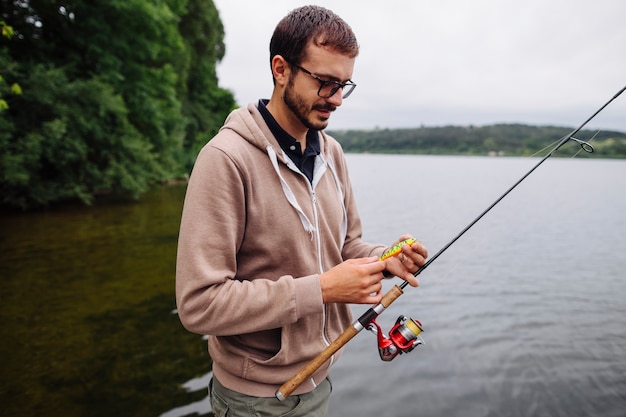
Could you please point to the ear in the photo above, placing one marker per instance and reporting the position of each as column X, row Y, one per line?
column 280, row 70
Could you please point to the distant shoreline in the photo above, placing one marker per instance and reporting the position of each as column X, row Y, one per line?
column 491, row 140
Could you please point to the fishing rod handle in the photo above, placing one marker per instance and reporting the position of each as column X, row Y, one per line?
column 309, row 369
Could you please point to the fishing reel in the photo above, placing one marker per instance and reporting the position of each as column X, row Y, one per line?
column 403, row 337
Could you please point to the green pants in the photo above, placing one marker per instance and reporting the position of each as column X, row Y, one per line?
column 227, row 403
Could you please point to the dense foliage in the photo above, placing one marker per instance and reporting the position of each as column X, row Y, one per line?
column 502, row 139
column 116, row 95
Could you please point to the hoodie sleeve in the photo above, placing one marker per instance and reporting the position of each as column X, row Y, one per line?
column 210, row 298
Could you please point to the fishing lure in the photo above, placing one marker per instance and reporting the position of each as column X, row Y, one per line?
column 396, row 249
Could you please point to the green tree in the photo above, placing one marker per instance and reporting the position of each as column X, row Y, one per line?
column 6, row 69
column 205, row 106
column 119, row 91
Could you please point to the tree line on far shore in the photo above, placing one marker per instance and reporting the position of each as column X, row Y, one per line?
column 494, row 140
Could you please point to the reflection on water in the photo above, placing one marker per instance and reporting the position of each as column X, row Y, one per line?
column 87, row 300
column 201, row 407
column 522, row 316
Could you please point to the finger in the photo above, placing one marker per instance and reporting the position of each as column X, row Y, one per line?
column 373, row 299
column 411, row 279
column 375, row 266
column 368, row 266
column 376, row 289
column 363, row 261
column 411, row 266
column 417, row 258
column 417, row 247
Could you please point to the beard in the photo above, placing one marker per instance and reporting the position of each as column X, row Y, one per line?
column 303, row 111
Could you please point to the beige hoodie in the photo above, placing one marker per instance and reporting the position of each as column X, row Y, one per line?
column 254, row 237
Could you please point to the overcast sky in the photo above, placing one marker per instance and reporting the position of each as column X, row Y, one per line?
column 439, row 62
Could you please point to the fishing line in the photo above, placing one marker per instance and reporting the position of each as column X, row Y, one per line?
column 584, row 146
column 588, row 142
column 542, row 150
column 405, row 335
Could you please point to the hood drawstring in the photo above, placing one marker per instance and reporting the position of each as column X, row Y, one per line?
column 306, row 223
column 320, row 168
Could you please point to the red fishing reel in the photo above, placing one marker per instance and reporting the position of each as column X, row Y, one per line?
column 403, row 337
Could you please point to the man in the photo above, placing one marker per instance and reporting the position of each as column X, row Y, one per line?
column 270, row 251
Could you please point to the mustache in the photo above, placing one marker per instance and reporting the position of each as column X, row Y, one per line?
column 326, row 107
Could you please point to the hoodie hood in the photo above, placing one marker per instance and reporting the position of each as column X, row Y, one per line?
column 249, row 124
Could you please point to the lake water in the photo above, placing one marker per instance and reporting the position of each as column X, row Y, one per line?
column 524, row 315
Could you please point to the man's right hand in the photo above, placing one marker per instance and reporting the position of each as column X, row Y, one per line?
column 355, row 281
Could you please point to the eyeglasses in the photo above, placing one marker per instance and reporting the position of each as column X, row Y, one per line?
column 328, row 88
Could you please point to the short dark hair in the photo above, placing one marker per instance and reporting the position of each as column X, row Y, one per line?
column 311, row 24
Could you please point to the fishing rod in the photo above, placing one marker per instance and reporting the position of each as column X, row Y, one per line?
column 405, row 334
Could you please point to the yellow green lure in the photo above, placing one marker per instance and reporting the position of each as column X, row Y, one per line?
column 396, row 249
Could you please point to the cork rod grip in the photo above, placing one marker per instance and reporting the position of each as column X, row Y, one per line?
column 391, row 296
column 288, row 387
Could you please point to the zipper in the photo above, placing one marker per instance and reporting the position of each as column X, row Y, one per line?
column 318, row 239
column 317, row 230
column 320, row 266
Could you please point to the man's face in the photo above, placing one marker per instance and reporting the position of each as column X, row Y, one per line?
column 300, row 94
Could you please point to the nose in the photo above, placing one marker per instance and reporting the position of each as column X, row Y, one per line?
column 337, row 98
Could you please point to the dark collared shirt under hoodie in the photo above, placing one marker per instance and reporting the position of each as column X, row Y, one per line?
column 305, row 161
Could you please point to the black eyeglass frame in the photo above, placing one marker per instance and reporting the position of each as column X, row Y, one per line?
column 323, row 82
